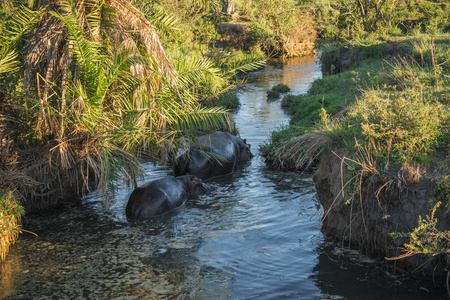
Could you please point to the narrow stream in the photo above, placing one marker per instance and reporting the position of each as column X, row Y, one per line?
column 257, row 236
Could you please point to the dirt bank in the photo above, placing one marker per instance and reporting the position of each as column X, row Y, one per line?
column 384, row 207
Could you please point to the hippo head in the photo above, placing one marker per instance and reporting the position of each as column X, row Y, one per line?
column 197, row 187
column 244, row 151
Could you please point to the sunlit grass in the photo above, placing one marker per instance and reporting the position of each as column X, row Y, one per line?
column 10, row 221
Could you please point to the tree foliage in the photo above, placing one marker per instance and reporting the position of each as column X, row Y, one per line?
column 97, row 91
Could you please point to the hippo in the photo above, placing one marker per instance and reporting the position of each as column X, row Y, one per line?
column 217, row 154
column 163, row 195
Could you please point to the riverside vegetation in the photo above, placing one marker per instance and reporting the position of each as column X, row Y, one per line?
column 376, row 130
column 89, row 89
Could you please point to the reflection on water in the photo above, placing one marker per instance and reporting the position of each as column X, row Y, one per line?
column 257, row 236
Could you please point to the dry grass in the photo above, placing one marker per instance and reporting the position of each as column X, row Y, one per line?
column 300, row 41
column 301, row 152
column 10, row 217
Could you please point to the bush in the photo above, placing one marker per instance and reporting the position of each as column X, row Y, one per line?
column 404, row 122
column 425, row 238
column 442, row 190
column 288, row 101
column 10, row 216
column 281, row 88
column 274, row 92
column 229, row 101
column 271, row 95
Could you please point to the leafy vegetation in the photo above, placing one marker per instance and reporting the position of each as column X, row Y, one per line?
column 401, row 105
column 425, row 238
column 276, row 91
column 281, row 88
column 382, row 105
column 91, row 87
column 272, row 94
column 344, row 20
column 442, row 190
column 10, row 216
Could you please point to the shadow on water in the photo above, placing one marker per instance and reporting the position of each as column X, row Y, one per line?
column 256, row 236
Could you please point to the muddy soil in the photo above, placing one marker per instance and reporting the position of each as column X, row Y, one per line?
column 382, row 208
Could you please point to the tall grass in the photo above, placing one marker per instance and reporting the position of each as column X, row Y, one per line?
column 10, row 221
column 400, row 103
column 404, row 123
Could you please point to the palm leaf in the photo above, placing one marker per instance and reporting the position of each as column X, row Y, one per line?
column 158, row 17
column 21, row 23
column 248, row 63
column 86, row 51
column 8, row 60
column 198, row 72
column 130, row 17
column 204, row 119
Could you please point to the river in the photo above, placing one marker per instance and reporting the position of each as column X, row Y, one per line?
column 257, row 236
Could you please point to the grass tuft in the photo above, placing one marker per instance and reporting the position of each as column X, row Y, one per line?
column 10, row 221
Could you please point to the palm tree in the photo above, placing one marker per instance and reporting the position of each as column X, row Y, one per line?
column 103, row 90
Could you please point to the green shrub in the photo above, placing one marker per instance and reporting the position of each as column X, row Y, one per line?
column 271, row 95
column 281, row 88
column 274, row 92
column 10, row 216
column 265, row 39
column 442, row 190
column 229, row 101
column 288, row 101
column 425, row 238
column 404, row 122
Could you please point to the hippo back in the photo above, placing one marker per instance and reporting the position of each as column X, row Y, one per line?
column 156, row 198
column 216, row 155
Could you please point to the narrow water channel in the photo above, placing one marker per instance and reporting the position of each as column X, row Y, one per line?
column 257, row 236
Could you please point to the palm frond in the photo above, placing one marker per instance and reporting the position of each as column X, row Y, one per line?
column 203, row 119
column 248, row 63
column 8, row 60
column 164, row 22
column 130, row 17
column 86, row 51
column 21, row 23
column 198, row 72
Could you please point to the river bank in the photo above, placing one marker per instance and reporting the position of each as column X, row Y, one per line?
column 377, row 128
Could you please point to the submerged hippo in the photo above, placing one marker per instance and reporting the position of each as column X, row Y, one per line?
column 217, row 154
column 162, row 195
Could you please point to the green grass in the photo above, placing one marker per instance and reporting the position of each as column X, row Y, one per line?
column 272, row 95
column 281, row 88
column 228, row 101
column 400, row 104
column 333, row 93
column 10, row 224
